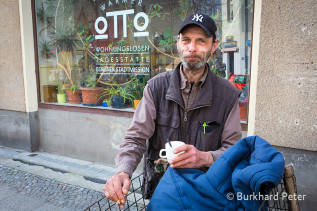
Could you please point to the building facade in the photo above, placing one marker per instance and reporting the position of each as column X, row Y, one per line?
column 52, row 47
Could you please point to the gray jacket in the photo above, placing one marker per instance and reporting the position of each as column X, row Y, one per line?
column 176, row 122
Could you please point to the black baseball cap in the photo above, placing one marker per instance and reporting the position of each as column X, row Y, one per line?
column 202, row 20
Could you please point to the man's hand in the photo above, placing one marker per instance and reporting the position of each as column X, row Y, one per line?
column 191, row 158
column 117, row 187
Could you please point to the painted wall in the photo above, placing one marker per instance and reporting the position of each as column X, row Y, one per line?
column 84, row 136
column 15, row 130
column 286, row 92
column 18, row 94
column 11, row 68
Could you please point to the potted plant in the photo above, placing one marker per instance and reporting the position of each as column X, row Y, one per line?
column 112, row 96
column 65, row 40
column 124, row 95
column 61, row 96
column 126, row 98
column 119, row 95
column 91, row 95
column 243, row 103
column 106, row 102
column 136, row 91
column 73, row 94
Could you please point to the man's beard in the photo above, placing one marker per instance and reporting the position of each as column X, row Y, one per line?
column 193, row 65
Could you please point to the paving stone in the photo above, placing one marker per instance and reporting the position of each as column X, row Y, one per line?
column 47, row 207
column 6, row 192
column 32, row 192
column 20, row 202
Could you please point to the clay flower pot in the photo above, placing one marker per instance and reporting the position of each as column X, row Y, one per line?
column 74, row 97
column 92, row 96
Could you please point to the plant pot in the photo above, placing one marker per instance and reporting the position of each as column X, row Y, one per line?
column 61, row 98
column 92, row 96
column 136, row 103
column 104, row 104
column 74, row 97
column 243, row 113
column 118, row 102
column 50, row 93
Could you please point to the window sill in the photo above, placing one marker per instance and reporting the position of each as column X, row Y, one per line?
column 124, row 112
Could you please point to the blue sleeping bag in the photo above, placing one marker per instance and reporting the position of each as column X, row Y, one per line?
column 238, row 180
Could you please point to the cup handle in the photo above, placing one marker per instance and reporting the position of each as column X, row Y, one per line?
column 162, row 156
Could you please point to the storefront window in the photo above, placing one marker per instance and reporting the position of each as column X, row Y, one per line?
column 115, row 46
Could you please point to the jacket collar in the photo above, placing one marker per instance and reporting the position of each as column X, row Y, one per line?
column 174, row 91
column 184, row 81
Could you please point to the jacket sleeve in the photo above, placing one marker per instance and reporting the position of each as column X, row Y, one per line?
column 231, row 132
column 142, row 128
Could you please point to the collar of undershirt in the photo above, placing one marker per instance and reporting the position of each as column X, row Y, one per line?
column 184, row 80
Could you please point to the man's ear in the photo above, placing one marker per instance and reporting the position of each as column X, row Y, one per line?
column 214, row 46
column 177, row 43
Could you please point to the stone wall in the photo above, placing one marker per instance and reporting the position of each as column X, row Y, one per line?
column 84, row 136
column 286, row 96
column 15, row 130
column 11, row 68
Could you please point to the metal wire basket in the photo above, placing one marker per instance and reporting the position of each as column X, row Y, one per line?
column 135, row 199
column 276, row 200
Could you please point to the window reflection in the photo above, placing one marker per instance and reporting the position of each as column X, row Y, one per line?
column 115, row 47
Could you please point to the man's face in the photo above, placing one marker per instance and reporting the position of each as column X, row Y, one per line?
column 195, row 47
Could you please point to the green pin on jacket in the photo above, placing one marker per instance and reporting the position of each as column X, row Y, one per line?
column 204, row 125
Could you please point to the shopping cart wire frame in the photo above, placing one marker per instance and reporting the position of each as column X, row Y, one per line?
column 136, row 201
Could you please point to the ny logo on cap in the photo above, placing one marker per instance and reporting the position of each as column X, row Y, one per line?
column 198, row 18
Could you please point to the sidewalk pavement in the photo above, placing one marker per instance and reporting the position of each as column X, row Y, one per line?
column 43, row 181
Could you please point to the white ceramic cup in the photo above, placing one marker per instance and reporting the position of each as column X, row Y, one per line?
column 169, row 154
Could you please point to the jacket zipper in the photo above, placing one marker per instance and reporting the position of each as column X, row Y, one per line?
column 187, row 110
